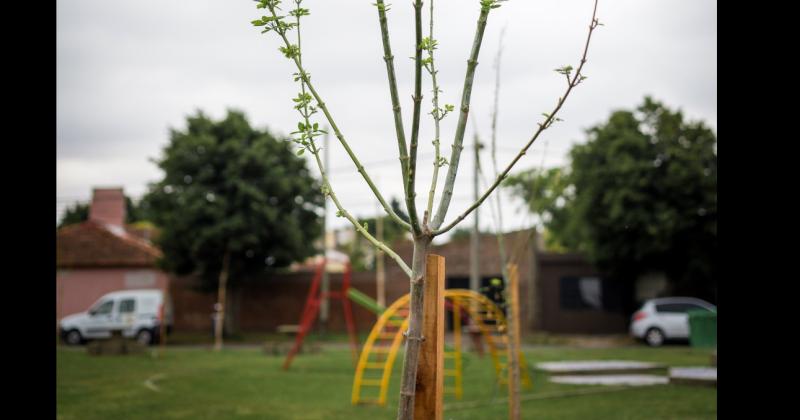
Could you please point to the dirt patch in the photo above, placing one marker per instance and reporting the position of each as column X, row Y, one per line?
column 596, row 367
column 579, row 340
column 629, row 380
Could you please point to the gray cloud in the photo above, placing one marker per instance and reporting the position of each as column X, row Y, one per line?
column 129, row 70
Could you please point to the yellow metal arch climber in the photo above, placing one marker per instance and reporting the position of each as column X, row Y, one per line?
column 374, row 369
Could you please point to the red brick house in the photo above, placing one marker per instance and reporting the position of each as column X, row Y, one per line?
column 102, row 255
column 560, row 293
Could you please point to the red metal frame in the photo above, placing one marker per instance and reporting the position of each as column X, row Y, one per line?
column 311, row 309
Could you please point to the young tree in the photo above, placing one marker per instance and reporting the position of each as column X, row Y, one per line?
column 234, row 202
column 638, row 196
column 428, row 225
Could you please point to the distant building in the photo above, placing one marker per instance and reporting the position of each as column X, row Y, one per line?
column 559, row 293
column 102, row 255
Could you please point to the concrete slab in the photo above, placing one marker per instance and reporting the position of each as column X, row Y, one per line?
column 597, row 367
column 630, row 380
column 705, row 376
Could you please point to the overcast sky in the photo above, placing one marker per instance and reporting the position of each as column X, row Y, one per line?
column 127, row 71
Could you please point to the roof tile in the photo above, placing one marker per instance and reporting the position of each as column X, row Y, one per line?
column 92, row 244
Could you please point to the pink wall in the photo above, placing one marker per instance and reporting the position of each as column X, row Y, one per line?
column 77, row 289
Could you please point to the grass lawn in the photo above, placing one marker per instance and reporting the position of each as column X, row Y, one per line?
column 246, row 383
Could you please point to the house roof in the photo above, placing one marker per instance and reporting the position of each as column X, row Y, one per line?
column 95, row 244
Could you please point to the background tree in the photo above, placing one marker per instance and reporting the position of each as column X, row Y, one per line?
column 76, row 213
column 234, row 202
column 546, row 192
column 639, row 196
column 357, row 249
column 460, row 234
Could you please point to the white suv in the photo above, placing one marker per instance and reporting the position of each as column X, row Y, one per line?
column 137, row 313
column 664, row 319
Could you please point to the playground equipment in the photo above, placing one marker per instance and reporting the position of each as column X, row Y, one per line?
column 332, row 262
column 377, row 358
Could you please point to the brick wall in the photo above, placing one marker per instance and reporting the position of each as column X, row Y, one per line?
column 572, row 321
column 77, row 289
column 279, row 299
column 108, row 206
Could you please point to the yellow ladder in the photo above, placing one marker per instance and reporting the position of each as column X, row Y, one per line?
column 492, row 324
column 455, row 369
column 375, row 363
column 377, row 358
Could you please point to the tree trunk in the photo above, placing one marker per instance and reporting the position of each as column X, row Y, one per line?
column 405, row 410
column 220, row 313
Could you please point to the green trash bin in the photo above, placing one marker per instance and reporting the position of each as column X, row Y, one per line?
column 703, row 328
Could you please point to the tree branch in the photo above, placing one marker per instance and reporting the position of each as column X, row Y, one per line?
column 359, row 228
column 398, row 115
column 411, row 193
column 472, row 62
column 499, row 215
column 549, row 119
column 304, row 76
column 438, row 115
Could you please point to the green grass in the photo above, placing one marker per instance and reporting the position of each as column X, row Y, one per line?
column 246, row 383
column 195, row 338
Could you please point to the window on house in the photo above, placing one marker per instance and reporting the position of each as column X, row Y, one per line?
column 127, row 306
column 581, row 293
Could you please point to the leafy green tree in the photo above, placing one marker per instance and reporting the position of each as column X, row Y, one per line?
column 461, row 234
column 77, row 213
column 639, row 196
column 234, row 202
column 546, row 192
column 398, row 210
column 134, row 212
column 392, row 231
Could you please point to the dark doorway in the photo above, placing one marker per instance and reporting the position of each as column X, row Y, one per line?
column 493, row 292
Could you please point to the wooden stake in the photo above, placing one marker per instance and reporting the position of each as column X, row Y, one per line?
column 512, row 321
column 430, row 373
column 534, row 309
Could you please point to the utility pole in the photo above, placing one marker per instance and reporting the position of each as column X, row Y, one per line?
column 325, row 286
column 474, row 266
column 535, row 308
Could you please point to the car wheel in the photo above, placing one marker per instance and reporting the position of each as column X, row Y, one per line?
column 145, row 337
column 73, row 338
column 654, row 337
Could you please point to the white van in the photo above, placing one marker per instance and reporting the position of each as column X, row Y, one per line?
column 138, row 313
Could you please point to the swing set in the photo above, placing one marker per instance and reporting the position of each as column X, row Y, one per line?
column 374, row 369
